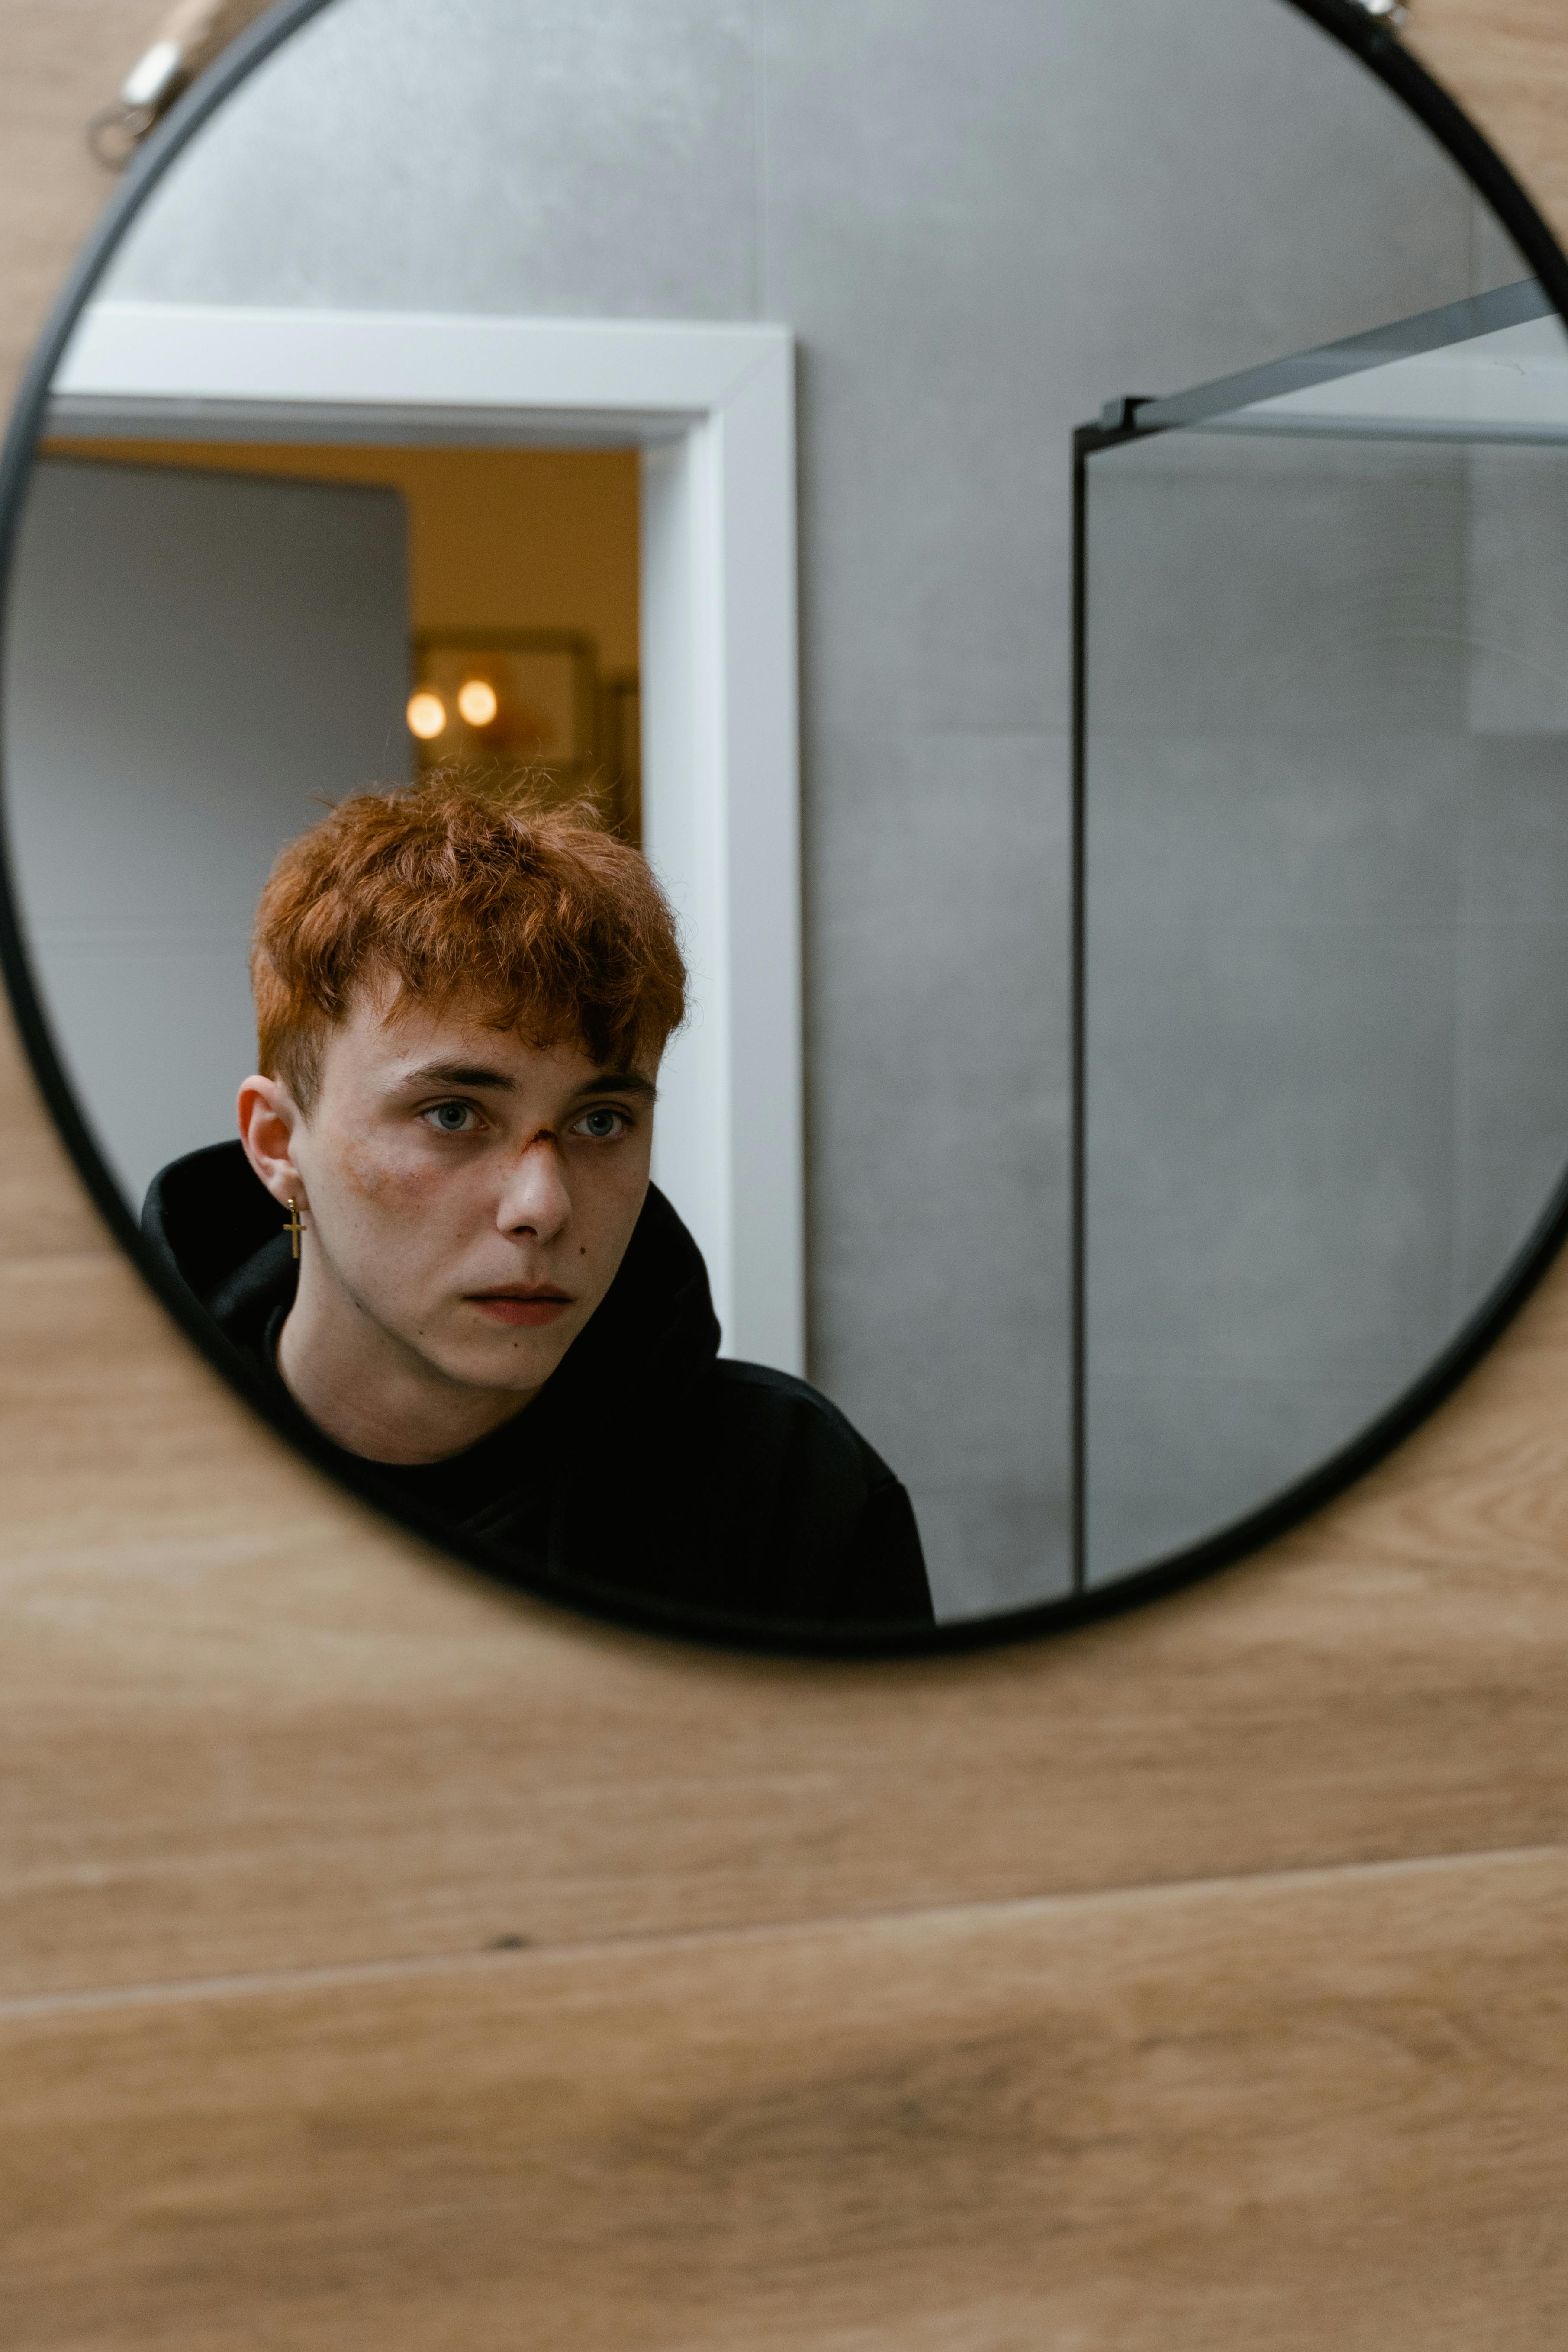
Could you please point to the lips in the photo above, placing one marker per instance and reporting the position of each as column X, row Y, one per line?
column 520, row 1306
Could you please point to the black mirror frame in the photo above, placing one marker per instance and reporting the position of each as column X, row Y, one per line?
column 1370, row 39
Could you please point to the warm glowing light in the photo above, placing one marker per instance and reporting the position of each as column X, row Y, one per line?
column 477, row 702
column 427, row 715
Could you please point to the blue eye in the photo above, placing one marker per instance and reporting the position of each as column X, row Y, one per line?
column 450, row 1119
column 601, row 1126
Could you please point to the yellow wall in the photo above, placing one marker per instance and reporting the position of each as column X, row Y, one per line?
column 513, row 539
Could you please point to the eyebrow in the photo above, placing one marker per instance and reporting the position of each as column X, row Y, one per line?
column 457, row 1074
column 617, row 1082
column 479, row 1074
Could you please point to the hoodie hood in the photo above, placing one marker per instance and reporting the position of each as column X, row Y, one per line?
column 217, row 1229
column 648, row 1467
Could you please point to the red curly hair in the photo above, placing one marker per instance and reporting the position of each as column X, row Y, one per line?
column 450, row 893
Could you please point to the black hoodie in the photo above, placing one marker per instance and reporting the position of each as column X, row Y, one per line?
column 647, row 1464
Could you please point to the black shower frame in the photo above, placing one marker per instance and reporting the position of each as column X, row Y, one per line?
column 1372, row 40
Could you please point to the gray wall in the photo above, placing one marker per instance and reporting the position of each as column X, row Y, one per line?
column 194, row 663
column 1327, row 796
column 982, row 221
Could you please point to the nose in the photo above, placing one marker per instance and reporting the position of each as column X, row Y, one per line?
column 534, row 1199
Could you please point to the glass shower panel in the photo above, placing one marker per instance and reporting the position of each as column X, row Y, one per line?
column 1324, row 929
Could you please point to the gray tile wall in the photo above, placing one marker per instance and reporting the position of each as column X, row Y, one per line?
column 982, row 221
column 1328, row 944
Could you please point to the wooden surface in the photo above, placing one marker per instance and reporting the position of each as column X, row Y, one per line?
column 1506, row 61
column 1195, row 1982
column 1292, row 2113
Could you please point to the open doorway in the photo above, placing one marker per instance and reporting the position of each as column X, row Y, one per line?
column 211, row 642
column 523, row 597
column 687, row 701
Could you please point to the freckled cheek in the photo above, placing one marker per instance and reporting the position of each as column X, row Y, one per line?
column 387, row 1177
column 606, row 1225
column 389, row 1190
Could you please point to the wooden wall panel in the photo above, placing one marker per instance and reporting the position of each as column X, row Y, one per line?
column 243, row 1725
column 1506, row 61
column 1286, row 2113
column 1110, row 2015
column 43, row 1209
column 64, row 59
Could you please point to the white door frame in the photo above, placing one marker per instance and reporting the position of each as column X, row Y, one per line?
column 711, row 409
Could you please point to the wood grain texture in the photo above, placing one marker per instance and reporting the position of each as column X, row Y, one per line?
column 1062, row 2049
column 243, row 1725
column 1290, row 2113
column 64, row 59
column 1506, row 61
column 44, row 1209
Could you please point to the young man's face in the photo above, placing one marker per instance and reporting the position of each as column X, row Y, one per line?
column 470, row 1195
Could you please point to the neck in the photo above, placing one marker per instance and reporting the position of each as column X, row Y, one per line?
column 368, row 1391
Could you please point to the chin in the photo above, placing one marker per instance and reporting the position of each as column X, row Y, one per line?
column 506, row 1367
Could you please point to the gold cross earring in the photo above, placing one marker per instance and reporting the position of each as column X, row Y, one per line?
column 293, row 1227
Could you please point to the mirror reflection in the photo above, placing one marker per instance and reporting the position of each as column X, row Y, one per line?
column 552, row 550
column 1326, row 898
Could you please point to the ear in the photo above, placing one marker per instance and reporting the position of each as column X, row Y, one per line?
column 268, row 1116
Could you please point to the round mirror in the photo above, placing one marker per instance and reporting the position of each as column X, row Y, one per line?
column 846, row 728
